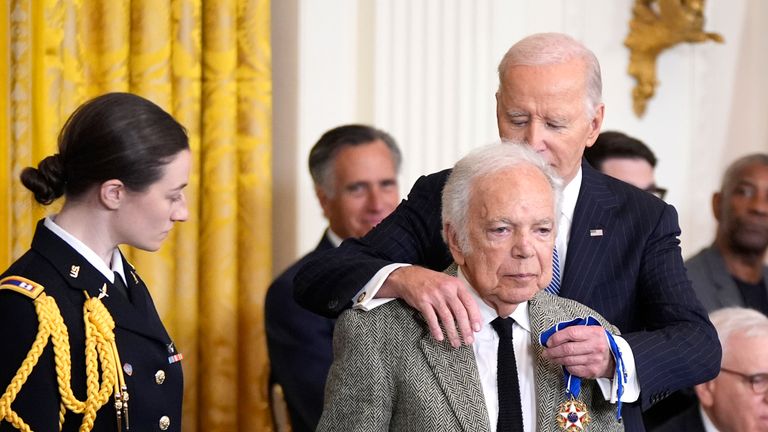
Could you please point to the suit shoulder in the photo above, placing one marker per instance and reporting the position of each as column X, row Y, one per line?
column 557, row 309
column 30, row 275
column 391, row 317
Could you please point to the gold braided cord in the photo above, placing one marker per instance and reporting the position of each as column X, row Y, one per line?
column 100, row 353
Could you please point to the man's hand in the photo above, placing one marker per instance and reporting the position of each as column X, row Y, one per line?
column 583, row 350
column 439, row 298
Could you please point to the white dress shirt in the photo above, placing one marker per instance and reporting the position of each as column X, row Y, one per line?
column 486, row 348
column 92, row 257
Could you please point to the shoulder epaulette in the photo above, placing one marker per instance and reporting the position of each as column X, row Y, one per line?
column 22, row 285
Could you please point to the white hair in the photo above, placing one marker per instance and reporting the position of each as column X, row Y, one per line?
column 556, row 48
column 483, row 162
column 738, row 320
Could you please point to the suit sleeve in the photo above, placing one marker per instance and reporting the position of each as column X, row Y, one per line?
column 411, row 234
column 677, row 346
column 360, row 390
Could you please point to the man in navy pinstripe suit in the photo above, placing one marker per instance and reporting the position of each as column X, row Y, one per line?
column 618, row 245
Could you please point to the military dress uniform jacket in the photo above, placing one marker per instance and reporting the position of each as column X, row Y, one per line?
column 152, row 374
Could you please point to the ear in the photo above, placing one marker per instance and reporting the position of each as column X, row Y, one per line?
column 595, row 124
column 112, row 194
column 705, row 392
column 325, row 201
column 453, row 244
column 717, row 202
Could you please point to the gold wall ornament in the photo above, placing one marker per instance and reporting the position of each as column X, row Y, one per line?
column 655, row 26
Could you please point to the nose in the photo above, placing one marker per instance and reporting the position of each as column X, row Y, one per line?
column 759, row 204
column 181, row 213
column 535, row 135
column 522, row 247
column 376, row 201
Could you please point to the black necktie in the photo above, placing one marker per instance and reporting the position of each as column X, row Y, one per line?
column 510, row 411
column 120, row 285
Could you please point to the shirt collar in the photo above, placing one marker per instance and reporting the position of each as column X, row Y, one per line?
column 488, row 314
column 92, row 257
column 570, row 196
column 333, row 237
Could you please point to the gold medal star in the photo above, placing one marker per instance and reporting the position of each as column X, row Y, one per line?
column 573, row 416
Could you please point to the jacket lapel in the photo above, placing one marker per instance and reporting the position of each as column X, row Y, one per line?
column 456, row 372
column 81, row 276
column 727, row 291
column 592, row 228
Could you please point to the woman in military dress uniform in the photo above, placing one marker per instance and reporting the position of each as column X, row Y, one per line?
column 83, row 347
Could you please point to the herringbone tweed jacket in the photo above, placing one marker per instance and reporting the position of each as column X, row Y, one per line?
column 390, row 374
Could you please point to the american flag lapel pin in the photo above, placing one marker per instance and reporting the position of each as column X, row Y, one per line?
column 595, row 232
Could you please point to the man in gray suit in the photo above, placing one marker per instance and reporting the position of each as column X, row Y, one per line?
column 731, row 272
column 498, row 211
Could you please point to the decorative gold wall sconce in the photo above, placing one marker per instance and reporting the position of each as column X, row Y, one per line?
column 655, row 26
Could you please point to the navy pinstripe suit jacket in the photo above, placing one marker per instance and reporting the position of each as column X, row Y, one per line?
column 632, row 274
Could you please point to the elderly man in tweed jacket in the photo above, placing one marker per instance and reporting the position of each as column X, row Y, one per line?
column 499, row 208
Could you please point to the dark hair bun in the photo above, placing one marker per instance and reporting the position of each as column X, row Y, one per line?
column 46, row 181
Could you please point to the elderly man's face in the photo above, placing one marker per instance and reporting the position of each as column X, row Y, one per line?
column 511, row 231
column 729, row 399
column 545, row 108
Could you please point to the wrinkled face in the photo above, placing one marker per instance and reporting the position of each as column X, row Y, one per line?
column 742, row 211
column 729, row 399
column 364, row 191
column 544, row 107
column 635, row 171
column 511, row 229
column 144, row 219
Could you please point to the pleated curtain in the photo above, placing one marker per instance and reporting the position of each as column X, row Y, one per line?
column 209, row 64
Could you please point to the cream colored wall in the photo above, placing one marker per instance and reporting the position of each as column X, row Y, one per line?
column 425, row 71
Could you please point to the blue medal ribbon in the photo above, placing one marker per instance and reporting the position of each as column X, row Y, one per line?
column 573, row 383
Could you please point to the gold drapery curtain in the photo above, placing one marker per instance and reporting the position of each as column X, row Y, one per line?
column 208, row 62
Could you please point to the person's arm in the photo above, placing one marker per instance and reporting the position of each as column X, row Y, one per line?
column 678, row 346
column 37, row 402
column 360, row 391
column 327, row 283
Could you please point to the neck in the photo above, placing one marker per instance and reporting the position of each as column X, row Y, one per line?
column 745, row 266
column 88, row 226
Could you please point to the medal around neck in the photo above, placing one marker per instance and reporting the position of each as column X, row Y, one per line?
column 572, row 415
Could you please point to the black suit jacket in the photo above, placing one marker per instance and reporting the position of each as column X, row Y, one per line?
column 632, row 274
column 688, row 420
column 140, row 336
column 300, row 347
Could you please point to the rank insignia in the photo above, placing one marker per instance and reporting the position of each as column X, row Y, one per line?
column 22, row 285
column 74, row 271
column 572, row 416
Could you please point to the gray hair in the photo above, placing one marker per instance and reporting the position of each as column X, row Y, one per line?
column 738, row 320
column 324, row 152
column 483, row 162
column 556, row 48
column 734, row 170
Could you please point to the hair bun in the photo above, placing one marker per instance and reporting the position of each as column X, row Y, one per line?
column 47, row 180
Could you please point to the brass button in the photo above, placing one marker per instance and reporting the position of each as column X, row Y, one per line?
column 164, row 422
column 160, row 376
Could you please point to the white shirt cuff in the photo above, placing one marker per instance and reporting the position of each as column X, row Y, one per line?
column 364, row 299
column 610, row 387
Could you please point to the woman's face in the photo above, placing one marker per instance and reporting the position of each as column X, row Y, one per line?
column 145, row 218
